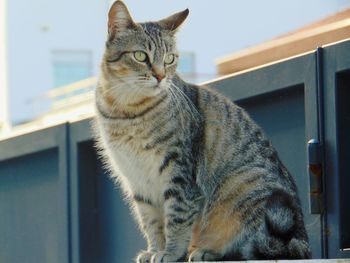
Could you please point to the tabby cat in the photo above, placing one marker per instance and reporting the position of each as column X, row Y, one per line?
column 203, row 181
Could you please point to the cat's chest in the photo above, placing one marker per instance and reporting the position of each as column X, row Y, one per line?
column 139, row 168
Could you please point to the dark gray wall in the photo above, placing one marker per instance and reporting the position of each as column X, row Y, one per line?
column 336, row 123
column 108, row 232
column 34, row 218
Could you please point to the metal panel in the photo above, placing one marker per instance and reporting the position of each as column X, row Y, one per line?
column 79, row 132
column 343, row 144
column 103, row 229
column 29, row 143
column 33, row 197
column 283, row 99
column 336, row 125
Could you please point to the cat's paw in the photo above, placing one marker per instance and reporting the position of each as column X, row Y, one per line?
column 202, row 255
column 163, row 256
column 144, row 257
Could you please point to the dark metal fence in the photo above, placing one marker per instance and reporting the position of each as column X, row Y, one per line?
column 57, row 203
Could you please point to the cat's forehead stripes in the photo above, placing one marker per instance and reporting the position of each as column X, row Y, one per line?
column 155, row 40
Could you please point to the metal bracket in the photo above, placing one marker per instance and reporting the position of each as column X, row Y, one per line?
column 315, row 175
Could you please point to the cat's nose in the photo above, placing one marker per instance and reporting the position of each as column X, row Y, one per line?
column 158, row 74
column 159, row 77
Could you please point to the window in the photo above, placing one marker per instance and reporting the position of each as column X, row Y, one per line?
column 186, row 66
column 70, row 66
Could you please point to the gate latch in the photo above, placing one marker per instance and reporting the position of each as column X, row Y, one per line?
column 315, row 175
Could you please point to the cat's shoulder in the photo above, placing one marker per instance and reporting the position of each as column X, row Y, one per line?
column 202, row 89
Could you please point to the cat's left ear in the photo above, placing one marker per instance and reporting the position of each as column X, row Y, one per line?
column 173, row 22
column 119, row 19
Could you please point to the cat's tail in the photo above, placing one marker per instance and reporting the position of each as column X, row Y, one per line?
column 284, row 220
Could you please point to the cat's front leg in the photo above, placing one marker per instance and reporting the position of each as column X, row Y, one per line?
column 180, row 212
column 151, row 224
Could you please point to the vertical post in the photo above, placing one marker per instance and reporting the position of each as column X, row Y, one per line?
column 4, row 116
column 320, row 109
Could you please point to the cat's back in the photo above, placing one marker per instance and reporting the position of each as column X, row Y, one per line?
column 245, row 176
column 235, row 146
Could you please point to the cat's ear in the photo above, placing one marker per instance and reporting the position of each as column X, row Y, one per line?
column 119, row 19
column 173, row 22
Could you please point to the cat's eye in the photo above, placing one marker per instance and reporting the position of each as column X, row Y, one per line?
column 140, row 56
column 169, row 59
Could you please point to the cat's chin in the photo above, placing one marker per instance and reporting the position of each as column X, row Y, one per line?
column 153, row 90
column 146, row 92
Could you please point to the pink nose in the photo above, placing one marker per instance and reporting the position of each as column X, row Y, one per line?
column 159, row 77
column 158, row 72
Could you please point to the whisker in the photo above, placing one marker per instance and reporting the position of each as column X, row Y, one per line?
column 189, row 106
column 176, row 103
column 114, row 106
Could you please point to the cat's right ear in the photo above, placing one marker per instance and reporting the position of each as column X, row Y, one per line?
column 119, row 19
column 172, row 23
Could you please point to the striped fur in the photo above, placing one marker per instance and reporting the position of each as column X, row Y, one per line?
column 203, row 181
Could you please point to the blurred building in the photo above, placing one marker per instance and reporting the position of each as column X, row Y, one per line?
column 50, row 44
column 331, row 29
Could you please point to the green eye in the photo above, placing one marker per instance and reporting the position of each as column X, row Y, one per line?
column 140, row 56
column 169, row 59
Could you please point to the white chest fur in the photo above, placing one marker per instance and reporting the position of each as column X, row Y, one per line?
column 136, row 169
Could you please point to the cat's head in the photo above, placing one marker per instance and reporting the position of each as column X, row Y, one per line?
column 140, row 57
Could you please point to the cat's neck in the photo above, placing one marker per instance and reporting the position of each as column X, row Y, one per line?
column 111, row 105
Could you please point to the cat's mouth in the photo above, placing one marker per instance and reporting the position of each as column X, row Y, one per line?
column 159, row 85
column 154, row 89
